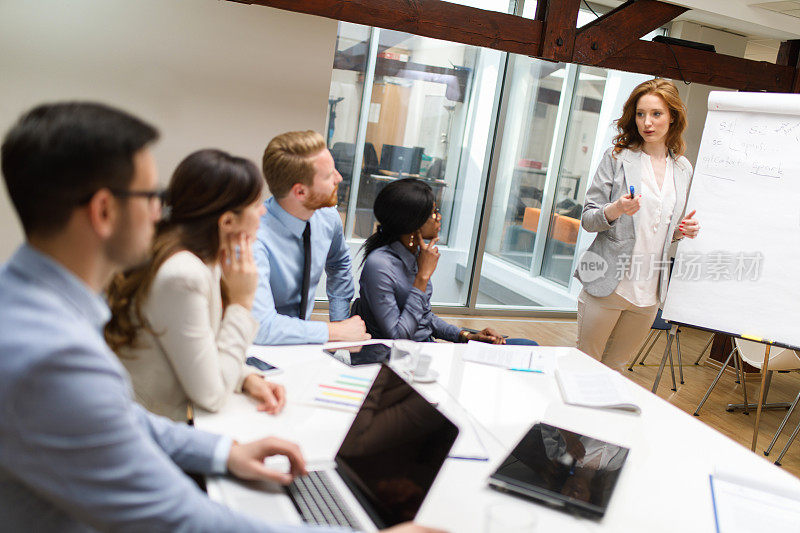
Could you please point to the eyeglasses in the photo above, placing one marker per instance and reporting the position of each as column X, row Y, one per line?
column 159, row 194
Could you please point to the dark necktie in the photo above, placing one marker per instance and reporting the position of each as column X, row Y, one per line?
column 306, row 271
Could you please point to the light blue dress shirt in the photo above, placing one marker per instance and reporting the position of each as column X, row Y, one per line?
column 76, row 452
column 390, row 305
column 279, row 256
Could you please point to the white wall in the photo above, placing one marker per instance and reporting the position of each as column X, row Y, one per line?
column 695, row 96
column 207, row 73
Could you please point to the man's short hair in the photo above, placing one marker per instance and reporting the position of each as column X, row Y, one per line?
column 288, row 159
column 58, row 155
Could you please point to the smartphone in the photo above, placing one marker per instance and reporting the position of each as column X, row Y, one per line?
column 362, row 354
column 470, row 330
column 262, row 365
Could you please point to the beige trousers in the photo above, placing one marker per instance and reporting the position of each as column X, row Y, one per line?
column 611, row 329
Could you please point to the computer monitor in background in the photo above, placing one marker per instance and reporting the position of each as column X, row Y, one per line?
column 401, row 159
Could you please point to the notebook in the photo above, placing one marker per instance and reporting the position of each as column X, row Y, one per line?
column 743, row 505
column 514, row 357
column 597, row 388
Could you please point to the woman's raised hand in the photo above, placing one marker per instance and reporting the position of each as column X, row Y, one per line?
column 427, row 260
column 624, row 205
column 628, row 205
column 239, row 271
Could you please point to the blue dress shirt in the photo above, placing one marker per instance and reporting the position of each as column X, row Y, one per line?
column 390, row 305
column 279, row 256
column 76, row 453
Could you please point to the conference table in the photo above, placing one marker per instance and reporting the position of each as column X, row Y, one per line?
column 664, row 485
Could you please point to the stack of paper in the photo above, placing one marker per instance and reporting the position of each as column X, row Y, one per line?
column 598, row 388
column 523, row 358
column 744, row 506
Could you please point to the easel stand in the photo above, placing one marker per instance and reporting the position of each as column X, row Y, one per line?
column 764, row 371
column 672, row 335
column 766, row 376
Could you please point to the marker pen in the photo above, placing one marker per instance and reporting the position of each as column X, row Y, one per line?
column 631, row 196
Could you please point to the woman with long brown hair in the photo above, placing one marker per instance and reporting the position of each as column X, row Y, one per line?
column 181, row 323
column 636, row 204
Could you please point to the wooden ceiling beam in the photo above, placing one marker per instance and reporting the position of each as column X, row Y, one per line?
column 607, row 35
column 509, row 33
column 789, row 55
column 558, row 35
column 699, row 66
column 429, row 18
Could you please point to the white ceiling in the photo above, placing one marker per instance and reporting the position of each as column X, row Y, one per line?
column 745, row 17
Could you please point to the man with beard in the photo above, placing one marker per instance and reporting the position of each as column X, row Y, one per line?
column 300, row 235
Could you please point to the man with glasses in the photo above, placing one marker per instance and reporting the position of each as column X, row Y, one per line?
column 76, row 453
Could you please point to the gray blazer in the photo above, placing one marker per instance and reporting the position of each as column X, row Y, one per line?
column 76, row 453
column 599, row 268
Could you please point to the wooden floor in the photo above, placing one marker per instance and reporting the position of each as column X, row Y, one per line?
column 736, row 425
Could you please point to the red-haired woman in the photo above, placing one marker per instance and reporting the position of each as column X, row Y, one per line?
column 636, row 204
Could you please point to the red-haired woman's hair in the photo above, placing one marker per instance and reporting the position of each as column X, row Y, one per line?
column 629, row 136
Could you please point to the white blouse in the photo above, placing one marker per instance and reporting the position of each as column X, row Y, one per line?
column 639, row 285
column 198, row 352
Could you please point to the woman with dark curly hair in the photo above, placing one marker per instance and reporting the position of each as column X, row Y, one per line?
column 399, row 260
column 636, row 205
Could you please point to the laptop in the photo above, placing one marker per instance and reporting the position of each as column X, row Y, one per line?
column 386, row 464
column 563, row 469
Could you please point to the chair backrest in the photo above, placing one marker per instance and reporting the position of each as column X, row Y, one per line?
column 779, row 358
column 565, row 229
column 530, row 221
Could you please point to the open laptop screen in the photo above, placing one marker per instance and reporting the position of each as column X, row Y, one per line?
column 394, row 449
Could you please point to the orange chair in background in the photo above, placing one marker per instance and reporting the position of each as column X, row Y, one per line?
column 530, row 220
column 565, row 229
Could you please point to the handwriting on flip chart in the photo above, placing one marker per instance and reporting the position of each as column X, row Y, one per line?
column 754, row 147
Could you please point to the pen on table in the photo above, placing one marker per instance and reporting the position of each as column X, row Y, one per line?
column 466, row 458
column 527, row 370
column 631, row 196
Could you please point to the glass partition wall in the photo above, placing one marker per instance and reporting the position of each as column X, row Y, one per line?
column 508, row 144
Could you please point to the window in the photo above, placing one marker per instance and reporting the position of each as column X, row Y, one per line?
column 507, row 143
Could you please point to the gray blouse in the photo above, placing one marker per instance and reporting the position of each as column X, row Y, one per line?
column 390, row 305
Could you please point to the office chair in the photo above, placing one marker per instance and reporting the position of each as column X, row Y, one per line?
column 752, row 353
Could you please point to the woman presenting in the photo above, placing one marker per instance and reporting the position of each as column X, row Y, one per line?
column 636, row 205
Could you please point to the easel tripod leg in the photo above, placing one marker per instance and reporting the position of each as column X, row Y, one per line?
column 670, row 336
column 764, row 370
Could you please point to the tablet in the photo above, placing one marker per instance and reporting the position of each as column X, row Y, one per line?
column 360, row 355
column 561, row 468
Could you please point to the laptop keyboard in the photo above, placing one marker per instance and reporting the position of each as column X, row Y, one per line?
column 318, row 502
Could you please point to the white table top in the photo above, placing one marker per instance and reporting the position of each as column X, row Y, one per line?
column 664, row 485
